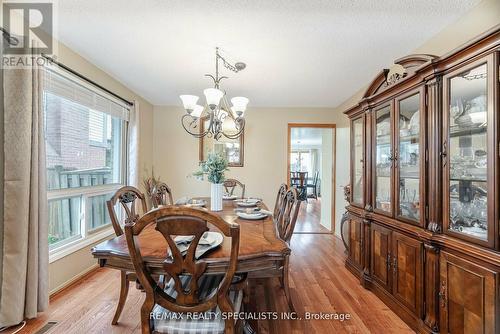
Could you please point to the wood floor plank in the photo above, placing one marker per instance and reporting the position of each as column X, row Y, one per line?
column 318, row 279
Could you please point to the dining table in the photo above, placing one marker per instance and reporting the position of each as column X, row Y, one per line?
column 261, row 250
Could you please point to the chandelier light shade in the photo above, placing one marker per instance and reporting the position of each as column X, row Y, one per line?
column 189, row 101
column 239, row 105
column 213, row 96
column 197, row 111
column 217, row 109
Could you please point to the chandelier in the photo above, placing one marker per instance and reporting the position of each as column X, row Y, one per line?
column 216, row 109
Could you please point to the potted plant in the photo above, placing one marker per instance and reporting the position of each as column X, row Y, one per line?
column 214, row 168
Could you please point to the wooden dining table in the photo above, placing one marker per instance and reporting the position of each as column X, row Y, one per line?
column 261, row 250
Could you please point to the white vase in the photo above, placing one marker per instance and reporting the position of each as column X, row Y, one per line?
column 216, row 196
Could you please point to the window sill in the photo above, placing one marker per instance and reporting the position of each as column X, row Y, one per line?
column 63, row 251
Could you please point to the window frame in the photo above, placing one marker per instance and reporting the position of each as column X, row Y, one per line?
column 87, row 235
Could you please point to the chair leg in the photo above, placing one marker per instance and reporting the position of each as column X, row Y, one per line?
column 123, row 296
column 286, row 284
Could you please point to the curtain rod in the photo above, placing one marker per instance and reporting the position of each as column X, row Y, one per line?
column 52, row 60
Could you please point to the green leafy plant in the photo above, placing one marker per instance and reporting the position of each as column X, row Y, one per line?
column 214, row 168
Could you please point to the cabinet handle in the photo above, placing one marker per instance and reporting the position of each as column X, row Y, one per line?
column 394, row 265
column 442, row 294
column 444, row 153
column 391, row 156
column 396, row 154
column 388, row 262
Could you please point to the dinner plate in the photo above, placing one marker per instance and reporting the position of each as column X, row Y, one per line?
column 196, row 203
column 208, row 241
column 251, row 216
column 247, row 202
column 229, row 197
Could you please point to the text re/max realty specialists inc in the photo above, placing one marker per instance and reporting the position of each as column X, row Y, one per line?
column 251, row 316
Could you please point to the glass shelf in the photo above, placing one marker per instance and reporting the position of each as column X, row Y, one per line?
column 409, row 158
column 467, row 151
column 383, row 154
column 357, row 187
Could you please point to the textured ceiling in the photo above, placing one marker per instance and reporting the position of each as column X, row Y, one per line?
column 306, row 137
column 298, row 53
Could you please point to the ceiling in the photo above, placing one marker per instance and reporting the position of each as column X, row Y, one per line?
column 298, row 53
column 302, row 138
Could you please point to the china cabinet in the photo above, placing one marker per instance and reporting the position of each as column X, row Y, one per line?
column 357, row 157
column 423, row 221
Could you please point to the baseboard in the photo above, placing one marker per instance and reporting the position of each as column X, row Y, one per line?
column 72, row 280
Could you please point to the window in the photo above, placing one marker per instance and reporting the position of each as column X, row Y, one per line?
column 85, row 137
column 301, row 161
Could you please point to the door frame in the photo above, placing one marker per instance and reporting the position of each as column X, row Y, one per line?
column 332, row 126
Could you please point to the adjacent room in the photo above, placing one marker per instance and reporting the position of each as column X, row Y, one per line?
column 299, row 166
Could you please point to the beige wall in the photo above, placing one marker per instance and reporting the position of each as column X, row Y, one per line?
column 66, row 269
column 265, row 165
column 478, row 20
column 176, row 153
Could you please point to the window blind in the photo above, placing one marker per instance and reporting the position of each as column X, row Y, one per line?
column 74, row 90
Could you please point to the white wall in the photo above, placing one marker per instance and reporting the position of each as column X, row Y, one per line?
column 327, row 192
column 342, row 175
column 265, row 164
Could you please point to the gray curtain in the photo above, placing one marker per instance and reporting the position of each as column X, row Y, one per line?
column 24, row 254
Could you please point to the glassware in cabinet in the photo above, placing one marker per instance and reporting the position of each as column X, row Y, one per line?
column 467, row 150
column 408, row 157
column 383, row 159
column 358, row 171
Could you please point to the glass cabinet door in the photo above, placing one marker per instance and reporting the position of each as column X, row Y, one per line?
column 357, row 169
column 469, row 124
column 408, row 156
column 383, row 160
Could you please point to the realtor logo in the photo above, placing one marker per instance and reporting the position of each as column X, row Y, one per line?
column 30, row 26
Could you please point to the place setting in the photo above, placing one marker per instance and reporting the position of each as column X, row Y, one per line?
column 229, row 197
column 208, row 241
column 191, row 202
column 248, row 209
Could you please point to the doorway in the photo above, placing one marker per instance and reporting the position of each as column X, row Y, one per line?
column 311, row 169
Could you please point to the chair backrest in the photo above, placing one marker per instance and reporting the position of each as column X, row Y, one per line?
column 128, row 197
column 294, row 177
column 302, row 181
column 162, row 195
column 285, row 223
column 279, row 200
column 171, row 221
column 316, row 178
column 231, row 184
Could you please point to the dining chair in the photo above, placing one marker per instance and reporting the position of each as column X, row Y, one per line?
column 314, row 185
column 189, row 290
column 301, row 185
column 162, row 195
column 285, row 225
column 279, row 200
column 231, row 184
column 294, row 176
column 133, row 203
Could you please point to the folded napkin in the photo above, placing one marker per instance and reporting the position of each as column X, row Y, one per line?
column 182, row 201
column 253, row 211
column 208, row 241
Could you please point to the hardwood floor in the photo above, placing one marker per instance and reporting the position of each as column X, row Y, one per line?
column 319, row 282
column 309, row 217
